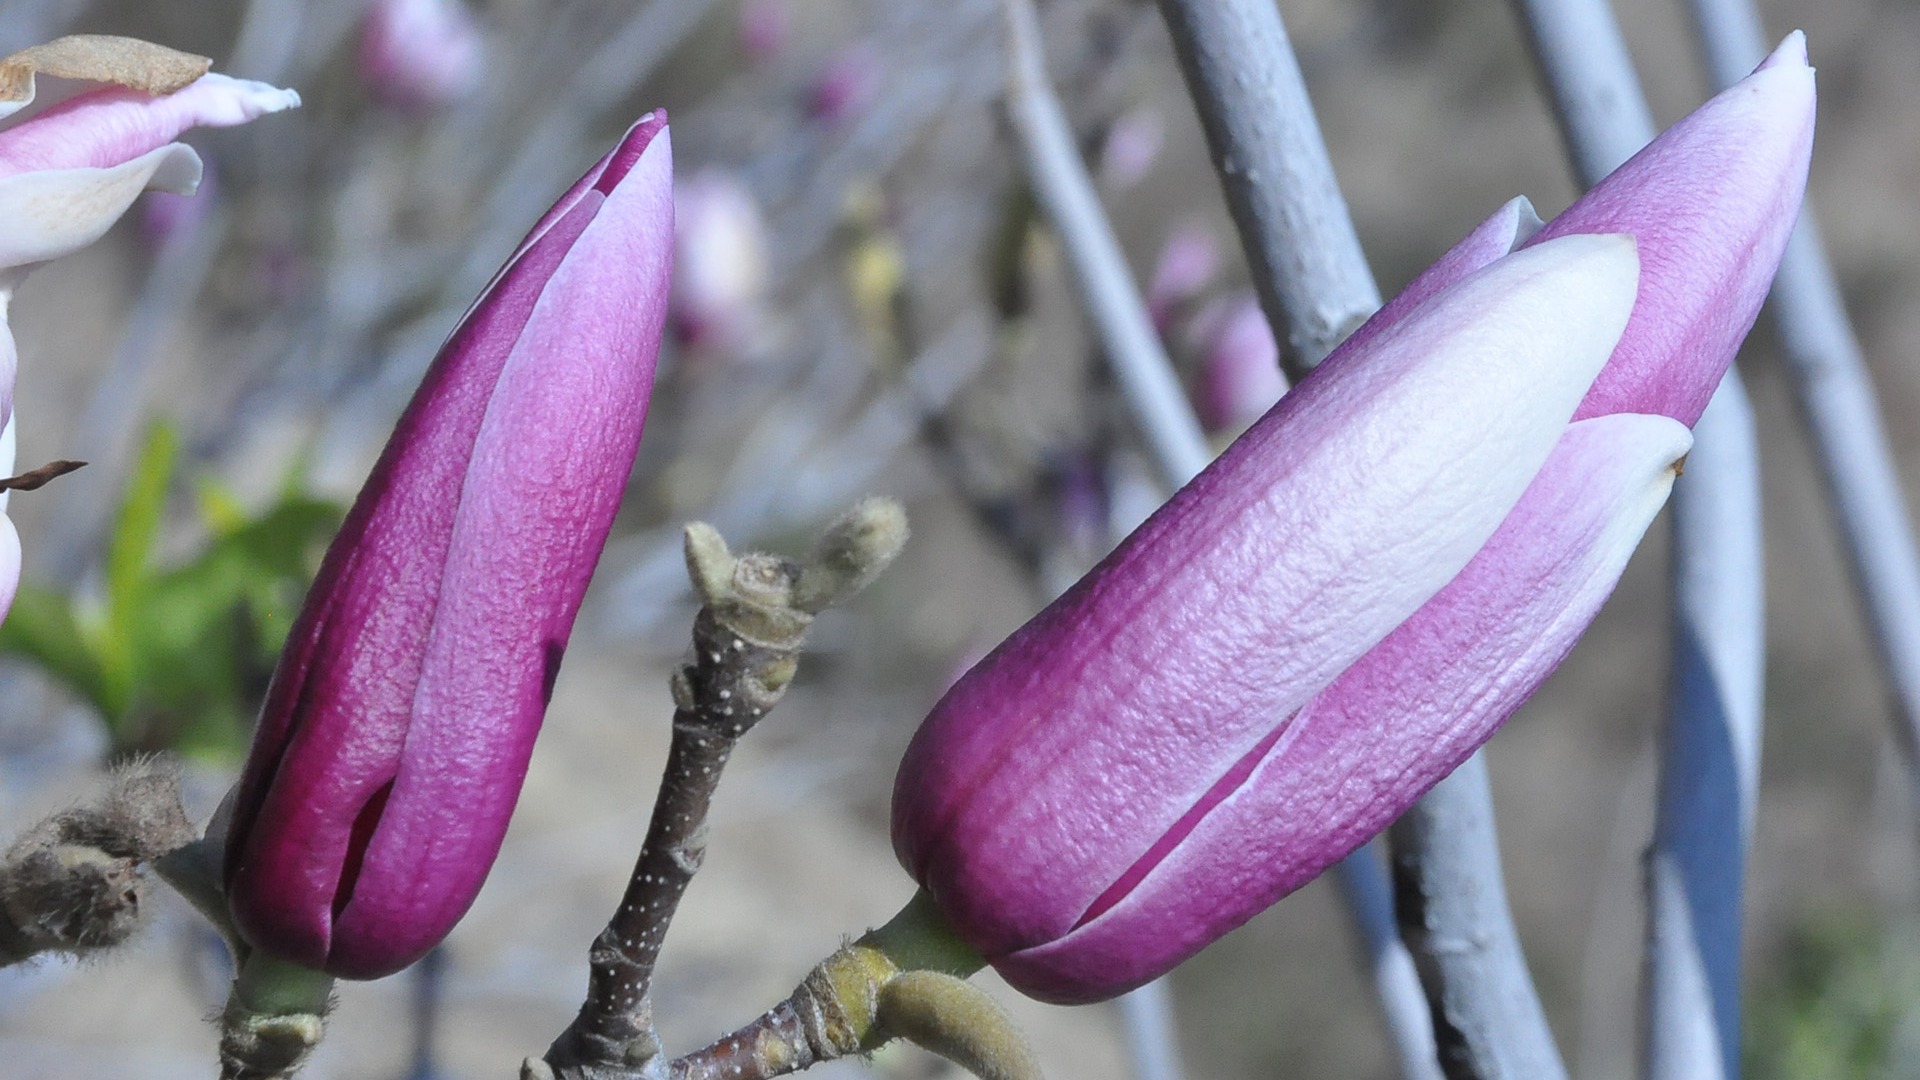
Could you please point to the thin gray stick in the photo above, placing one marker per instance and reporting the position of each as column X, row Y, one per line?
column 1710, row 746
column 1119, row 314
column 1839, row 407
column 1441, row 848
column 1709, row 754
column 1152, row 1034
column 1307, row 264
column 1067, row 193
column 1309, row 267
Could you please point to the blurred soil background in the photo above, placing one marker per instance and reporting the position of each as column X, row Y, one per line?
column 903, row 345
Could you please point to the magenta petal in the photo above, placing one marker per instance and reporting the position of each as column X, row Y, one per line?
column 521, row 554
column 1711, row 202
column 397, row 729
column 1394, row 723
column 1336, row 517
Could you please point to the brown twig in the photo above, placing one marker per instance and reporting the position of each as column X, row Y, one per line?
column 747, row 639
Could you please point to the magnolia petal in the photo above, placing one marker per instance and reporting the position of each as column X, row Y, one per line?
column 1510, row 226
column 1337, row 516
column 9, row 368
column 9, row 562
column 436, row 622
column 1393, row 724
column 573, row 397
column 105, row 128
column 59, row 211
column 1711, row 202
column 9, row 449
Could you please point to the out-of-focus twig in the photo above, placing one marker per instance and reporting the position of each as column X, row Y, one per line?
column 1838, row 403
column 1307, row 264
column 106, row 430
column 1710, row 754
column 1709, row 765
column 1071, row 202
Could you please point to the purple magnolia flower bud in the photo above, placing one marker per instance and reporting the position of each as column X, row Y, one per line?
column 720, row 261
column 1293, row 649
column 396, row 732
column 1239, row 364
column 420, row 54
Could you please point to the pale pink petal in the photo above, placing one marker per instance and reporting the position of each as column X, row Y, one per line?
column 9, row 564
column 56, row 212
column 1330, row 522
column 1711, row 202
column 1389, row 728
column 106, row 128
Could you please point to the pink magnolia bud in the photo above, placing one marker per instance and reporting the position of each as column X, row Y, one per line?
column 420, row 54
column 1239, row 364
column 397, row 730
column 720, row 261
column 1294, row 649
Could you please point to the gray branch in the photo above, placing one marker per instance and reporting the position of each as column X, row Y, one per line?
column 1709, row 754
column 1067, row 195
column 1710, row 746
column 1307, row 265
column 1455, row 917
column 1839, row 407
column 1314, row 280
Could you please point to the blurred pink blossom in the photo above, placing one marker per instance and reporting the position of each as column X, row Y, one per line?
column 720, row 261
column 420, row 54
column 1239, row 363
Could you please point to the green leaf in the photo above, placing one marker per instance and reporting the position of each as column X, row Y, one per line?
column 41, row 628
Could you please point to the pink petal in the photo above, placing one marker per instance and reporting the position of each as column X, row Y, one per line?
column 1391, row 726
column 110, row 127
column 55, row 212
column 1711, row 202
column 1336, row 517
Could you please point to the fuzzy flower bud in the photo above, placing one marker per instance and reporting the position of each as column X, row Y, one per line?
column 398, row 726
column 1349, row 601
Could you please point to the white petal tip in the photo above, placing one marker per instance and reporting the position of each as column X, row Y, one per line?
column 254, row 98
column 1792, row 51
